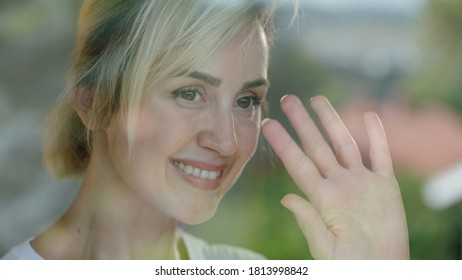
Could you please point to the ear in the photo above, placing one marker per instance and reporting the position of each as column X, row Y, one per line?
column 82, row 103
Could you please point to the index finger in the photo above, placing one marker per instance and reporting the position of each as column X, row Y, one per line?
column 297, row 163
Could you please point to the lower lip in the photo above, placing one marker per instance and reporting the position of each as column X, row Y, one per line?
column 206, row 185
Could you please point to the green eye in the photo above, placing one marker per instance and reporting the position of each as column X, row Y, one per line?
column 188, row 94
column 244, row 102
column 248, row 102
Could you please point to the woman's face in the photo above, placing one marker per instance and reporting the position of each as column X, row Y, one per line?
column 196, row 133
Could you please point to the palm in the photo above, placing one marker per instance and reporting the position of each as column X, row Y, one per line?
column 353, row 212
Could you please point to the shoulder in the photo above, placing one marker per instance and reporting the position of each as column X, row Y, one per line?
column 23, row 251
column 198, row 249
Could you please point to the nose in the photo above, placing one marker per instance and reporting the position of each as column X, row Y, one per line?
column 219, row 134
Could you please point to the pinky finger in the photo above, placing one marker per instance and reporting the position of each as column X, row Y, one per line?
column 379, row 152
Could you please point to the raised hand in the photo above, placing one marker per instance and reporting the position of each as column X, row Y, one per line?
column 350, row 212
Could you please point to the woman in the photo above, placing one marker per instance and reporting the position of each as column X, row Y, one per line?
column 162, row 113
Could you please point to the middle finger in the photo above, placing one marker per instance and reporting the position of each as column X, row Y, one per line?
column 314, row 144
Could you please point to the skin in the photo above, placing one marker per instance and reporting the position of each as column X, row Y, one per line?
column 128, row 209
column 352, row 212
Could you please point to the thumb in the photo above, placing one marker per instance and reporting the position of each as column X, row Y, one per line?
column 317, row 235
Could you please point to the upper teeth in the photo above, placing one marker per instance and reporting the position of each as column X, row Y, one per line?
column 196, row 172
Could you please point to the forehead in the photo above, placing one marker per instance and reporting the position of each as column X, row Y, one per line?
column 246, row 56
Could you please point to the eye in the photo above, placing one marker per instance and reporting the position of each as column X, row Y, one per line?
column 248, row 102
column 190, row 97
column 190, row 94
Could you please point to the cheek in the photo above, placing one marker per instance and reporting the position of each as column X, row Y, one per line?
column 149, row 138
column 154, row 125
column 160, row 133
column 148, row 131
column 247, row 134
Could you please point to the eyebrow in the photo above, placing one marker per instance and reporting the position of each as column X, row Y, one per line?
column 255, row 83
column 216, row 82
column 206, row 78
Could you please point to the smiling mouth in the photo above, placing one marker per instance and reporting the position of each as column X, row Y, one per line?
column 197, row 172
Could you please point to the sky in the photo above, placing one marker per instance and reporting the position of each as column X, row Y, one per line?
column 396, row 5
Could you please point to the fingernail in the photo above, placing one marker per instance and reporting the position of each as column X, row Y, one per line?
column 284, row 97
column 284, row 203
column 264, row 121
column 315, row 97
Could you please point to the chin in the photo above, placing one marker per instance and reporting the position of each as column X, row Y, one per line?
column 195, row 216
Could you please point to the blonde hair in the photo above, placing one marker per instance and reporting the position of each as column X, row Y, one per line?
column 124, row 47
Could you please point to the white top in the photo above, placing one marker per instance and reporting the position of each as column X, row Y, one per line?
column 197, row 249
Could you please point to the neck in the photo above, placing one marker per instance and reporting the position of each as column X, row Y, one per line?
column 109, row 220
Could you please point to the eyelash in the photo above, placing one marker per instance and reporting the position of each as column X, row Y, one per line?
column 177, row 93
column 256, row 100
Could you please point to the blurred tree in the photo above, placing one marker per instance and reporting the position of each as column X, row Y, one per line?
column 437, row 235
column 438, row 77
column 433, row 235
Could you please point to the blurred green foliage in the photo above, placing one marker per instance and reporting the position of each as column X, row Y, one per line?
column 438, row 78
column 433, row 234
column 436, row 234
